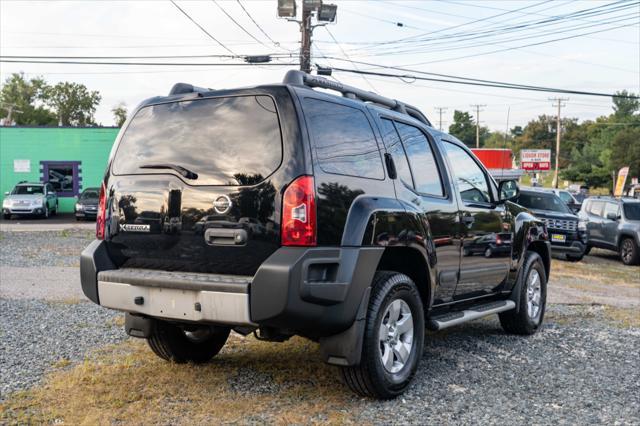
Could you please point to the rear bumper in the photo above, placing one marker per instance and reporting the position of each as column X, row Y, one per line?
column 309, row 291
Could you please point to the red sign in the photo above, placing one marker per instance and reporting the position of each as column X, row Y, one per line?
column 535, row 159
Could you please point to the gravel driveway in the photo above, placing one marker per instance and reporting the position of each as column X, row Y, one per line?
column 583, row 367
column 45, row 321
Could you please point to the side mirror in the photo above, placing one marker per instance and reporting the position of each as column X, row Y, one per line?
column 612, row 216
column 508, row 190
column 6, row 193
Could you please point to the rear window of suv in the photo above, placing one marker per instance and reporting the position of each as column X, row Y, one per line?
column 225, row 141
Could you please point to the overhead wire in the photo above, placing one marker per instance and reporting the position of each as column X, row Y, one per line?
column 238, row 24
column 348, row 58
column 275, row 43
column 202, row 28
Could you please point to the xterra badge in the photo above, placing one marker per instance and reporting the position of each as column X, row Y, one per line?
column 127, row 227
column 222, row 204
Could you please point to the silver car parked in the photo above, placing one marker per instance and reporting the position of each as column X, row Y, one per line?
column 613, row 224
column 30, row 199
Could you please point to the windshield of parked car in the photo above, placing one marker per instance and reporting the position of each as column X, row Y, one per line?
column 89, row 195
column 631, row 211
column 28, row 190
column 542, row 201
column 565, row 196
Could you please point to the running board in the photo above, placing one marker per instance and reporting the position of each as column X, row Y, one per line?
column 450, row 319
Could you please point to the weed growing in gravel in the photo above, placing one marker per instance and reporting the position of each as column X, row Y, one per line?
column 249, row 382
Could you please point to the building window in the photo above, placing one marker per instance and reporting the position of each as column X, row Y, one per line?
column 64, row 176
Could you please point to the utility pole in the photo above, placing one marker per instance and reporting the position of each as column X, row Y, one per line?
column 440, row 111
column 477, row 107
column 558, row 103
column 10, row 108
column 305, row 43
column 323, row 13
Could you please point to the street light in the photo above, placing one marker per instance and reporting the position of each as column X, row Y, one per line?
column 327, row 12
column 286, row 8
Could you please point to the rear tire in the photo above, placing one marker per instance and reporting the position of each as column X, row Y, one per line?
column 390, row 351
column 629, row 253
column 173, row 343
column 532, row 282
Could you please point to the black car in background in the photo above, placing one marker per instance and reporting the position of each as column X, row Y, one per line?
column 87, row 204
column 567, row 233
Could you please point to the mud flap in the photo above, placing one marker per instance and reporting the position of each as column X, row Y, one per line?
column 345, row 349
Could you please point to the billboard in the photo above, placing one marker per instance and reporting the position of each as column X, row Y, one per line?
column 535, row 159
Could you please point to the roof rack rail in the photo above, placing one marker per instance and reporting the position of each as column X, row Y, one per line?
column 300, row 78
column 182, row 88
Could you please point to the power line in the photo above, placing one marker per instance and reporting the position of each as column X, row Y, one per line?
column 275, row 43
column 238, row 24
column 25, row 61
column 202, row 28
column 440, row 111
column 559, row 104
column 477, row 107
column 348, row 58
column 500, row 86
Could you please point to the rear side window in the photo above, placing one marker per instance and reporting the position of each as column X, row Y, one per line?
column 225, row 141
column 394, row 147
column 343, row 139
column 423, row 164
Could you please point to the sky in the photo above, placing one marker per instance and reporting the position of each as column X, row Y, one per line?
column 508, row 41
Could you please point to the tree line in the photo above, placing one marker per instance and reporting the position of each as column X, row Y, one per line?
column 591, row 151
column 34, row 102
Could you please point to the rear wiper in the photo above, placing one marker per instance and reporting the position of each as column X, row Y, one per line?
column 184, row 172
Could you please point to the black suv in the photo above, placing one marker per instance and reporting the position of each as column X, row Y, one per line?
column 282, row 210
column 568, row 235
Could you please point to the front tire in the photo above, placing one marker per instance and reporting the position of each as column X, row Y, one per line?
column 572, row 258
column 6, row 216
column 629, row 253
column 533, row 298
column 175, row 344
column 393, row 338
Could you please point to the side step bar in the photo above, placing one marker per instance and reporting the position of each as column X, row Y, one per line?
column 450, row 319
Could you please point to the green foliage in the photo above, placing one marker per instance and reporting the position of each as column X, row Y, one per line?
column 24, row 98
column 623, row 106
column 119, row 114
column 464, row 128
column 69, row 104
column 73, row 103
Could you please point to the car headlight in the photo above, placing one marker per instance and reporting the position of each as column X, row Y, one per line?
column 79, row 206
column 6, row 203
column 582, row 225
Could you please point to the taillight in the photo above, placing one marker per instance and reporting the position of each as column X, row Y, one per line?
column 102, row 212
column 299, row 213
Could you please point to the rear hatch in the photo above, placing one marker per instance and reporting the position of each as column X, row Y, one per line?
column 190, row 186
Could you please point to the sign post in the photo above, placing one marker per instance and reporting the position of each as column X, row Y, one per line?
column 535, row 160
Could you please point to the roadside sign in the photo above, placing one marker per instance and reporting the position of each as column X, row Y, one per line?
column 622, row 178
column 22, row 166
column 535, row 159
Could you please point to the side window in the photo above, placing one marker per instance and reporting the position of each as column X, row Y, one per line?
column 394, row 147
column 596, row 208
column 343, row 139
column 611, row 208
column 423, row 164
column 472, row 182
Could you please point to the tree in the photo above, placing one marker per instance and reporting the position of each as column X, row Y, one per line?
column 22, row 96
column 72, row 103
column 623, row 105
column 119, row 114
column 464, row 128
column 625, row 150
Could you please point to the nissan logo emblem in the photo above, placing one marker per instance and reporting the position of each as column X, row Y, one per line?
column 222, row 204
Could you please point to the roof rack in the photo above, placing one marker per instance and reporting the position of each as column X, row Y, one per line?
column 300, row 78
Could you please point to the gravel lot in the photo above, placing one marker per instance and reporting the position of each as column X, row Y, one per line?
column 583, row 367
column 44, row 321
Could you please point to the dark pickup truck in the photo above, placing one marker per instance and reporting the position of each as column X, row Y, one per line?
column 283, row 210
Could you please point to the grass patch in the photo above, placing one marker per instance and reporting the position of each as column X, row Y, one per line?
column 126, row 383
column 116, row 321
column 625, row 318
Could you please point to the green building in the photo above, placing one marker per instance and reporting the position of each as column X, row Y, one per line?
column 70, row 158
